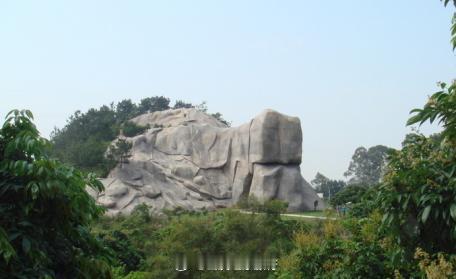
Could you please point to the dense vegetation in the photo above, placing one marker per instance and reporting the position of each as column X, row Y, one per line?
column 147, row 246
column 45, row 211
column 84, row 140
column 403, row 228
column 365, row 170
column 367, row 165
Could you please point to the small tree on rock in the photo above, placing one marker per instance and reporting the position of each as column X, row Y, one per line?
column 120, row 151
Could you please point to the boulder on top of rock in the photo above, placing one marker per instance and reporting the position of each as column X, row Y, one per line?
column 275, row 139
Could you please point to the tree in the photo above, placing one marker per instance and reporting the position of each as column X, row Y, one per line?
column 88, row 155
column 366, row 203
column 45, row 210
column 152, row 104
column 367, row 165
column 125, row 253
column 439, row 107
column 220, row 118
column 130, row 129
column 202, row 107
column 350, row 194
column 453, row 26
column 418, row 196
column 120, row 151
column 125, row 110
column 182, row 104
column 319, row 180
column 328, row 187
column 84, row 140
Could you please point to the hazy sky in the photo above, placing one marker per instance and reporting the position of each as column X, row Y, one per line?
column 350, row 70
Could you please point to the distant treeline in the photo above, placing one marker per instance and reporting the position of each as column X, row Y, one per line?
column 86, row 136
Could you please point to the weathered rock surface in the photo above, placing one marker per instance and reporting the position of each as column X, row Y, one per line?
column 195, row 162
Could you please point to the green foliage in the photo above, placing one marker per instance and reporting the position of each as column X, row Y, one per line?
column 274, row 207
column 350, row 194
column 445, row 2
column 453, row 32
column 419, row 192
column 125, row 110
column 137, row 275
column 159, row 239
column 120, row 273
column 271, row 207
column 327, row 186
column 366, row 204
column 203, row 107
column 413, row 235
column 439, row 265
column 120, row 151
column 130, row 129
column 349, row 249
column 44, row 210
column 153, row 104
column 220, row 118
column 126, row 254
column 367, row 165
column 440, row 107
column 453, row 26
column 182, row 104
column 84, row 140
column 419, row 195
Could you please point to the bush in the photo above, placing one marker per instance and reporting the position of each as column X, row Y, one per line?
column 418, row 195
column 130, row 129
column 126, row 255
column 366, row 204
column 349, row 249
column 349, row 194
column 159, row 239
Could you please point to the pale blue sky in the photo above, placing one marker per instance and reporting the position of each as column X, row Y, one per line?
column 350, row 70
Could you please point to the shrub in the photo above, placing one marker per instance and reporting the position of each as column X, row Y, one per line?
column 130, row 129
column 348, row 249
column 418, row 195
column 349, row 194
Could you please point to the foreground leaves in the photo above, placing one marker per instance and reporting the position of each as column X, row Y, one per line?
column 44, row 210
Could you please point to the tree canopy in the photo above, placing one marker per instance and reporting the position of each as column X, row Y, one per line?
column 327, row 186
column 84, row 140
column 367, row 165
column 45, row 210
column 350, row 194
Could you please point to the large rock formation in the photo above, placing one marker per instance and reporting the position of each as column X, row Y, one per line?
column 193, row 161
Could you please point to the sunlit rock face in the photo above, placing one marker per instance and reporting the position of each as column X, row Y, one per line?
column 195, row 162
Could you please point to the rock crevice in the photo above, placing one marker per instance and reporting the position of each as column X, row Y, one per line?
column 196, row 162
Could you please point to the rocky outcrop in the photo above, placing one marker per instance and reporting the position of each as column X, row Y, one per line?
column 193, row 161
